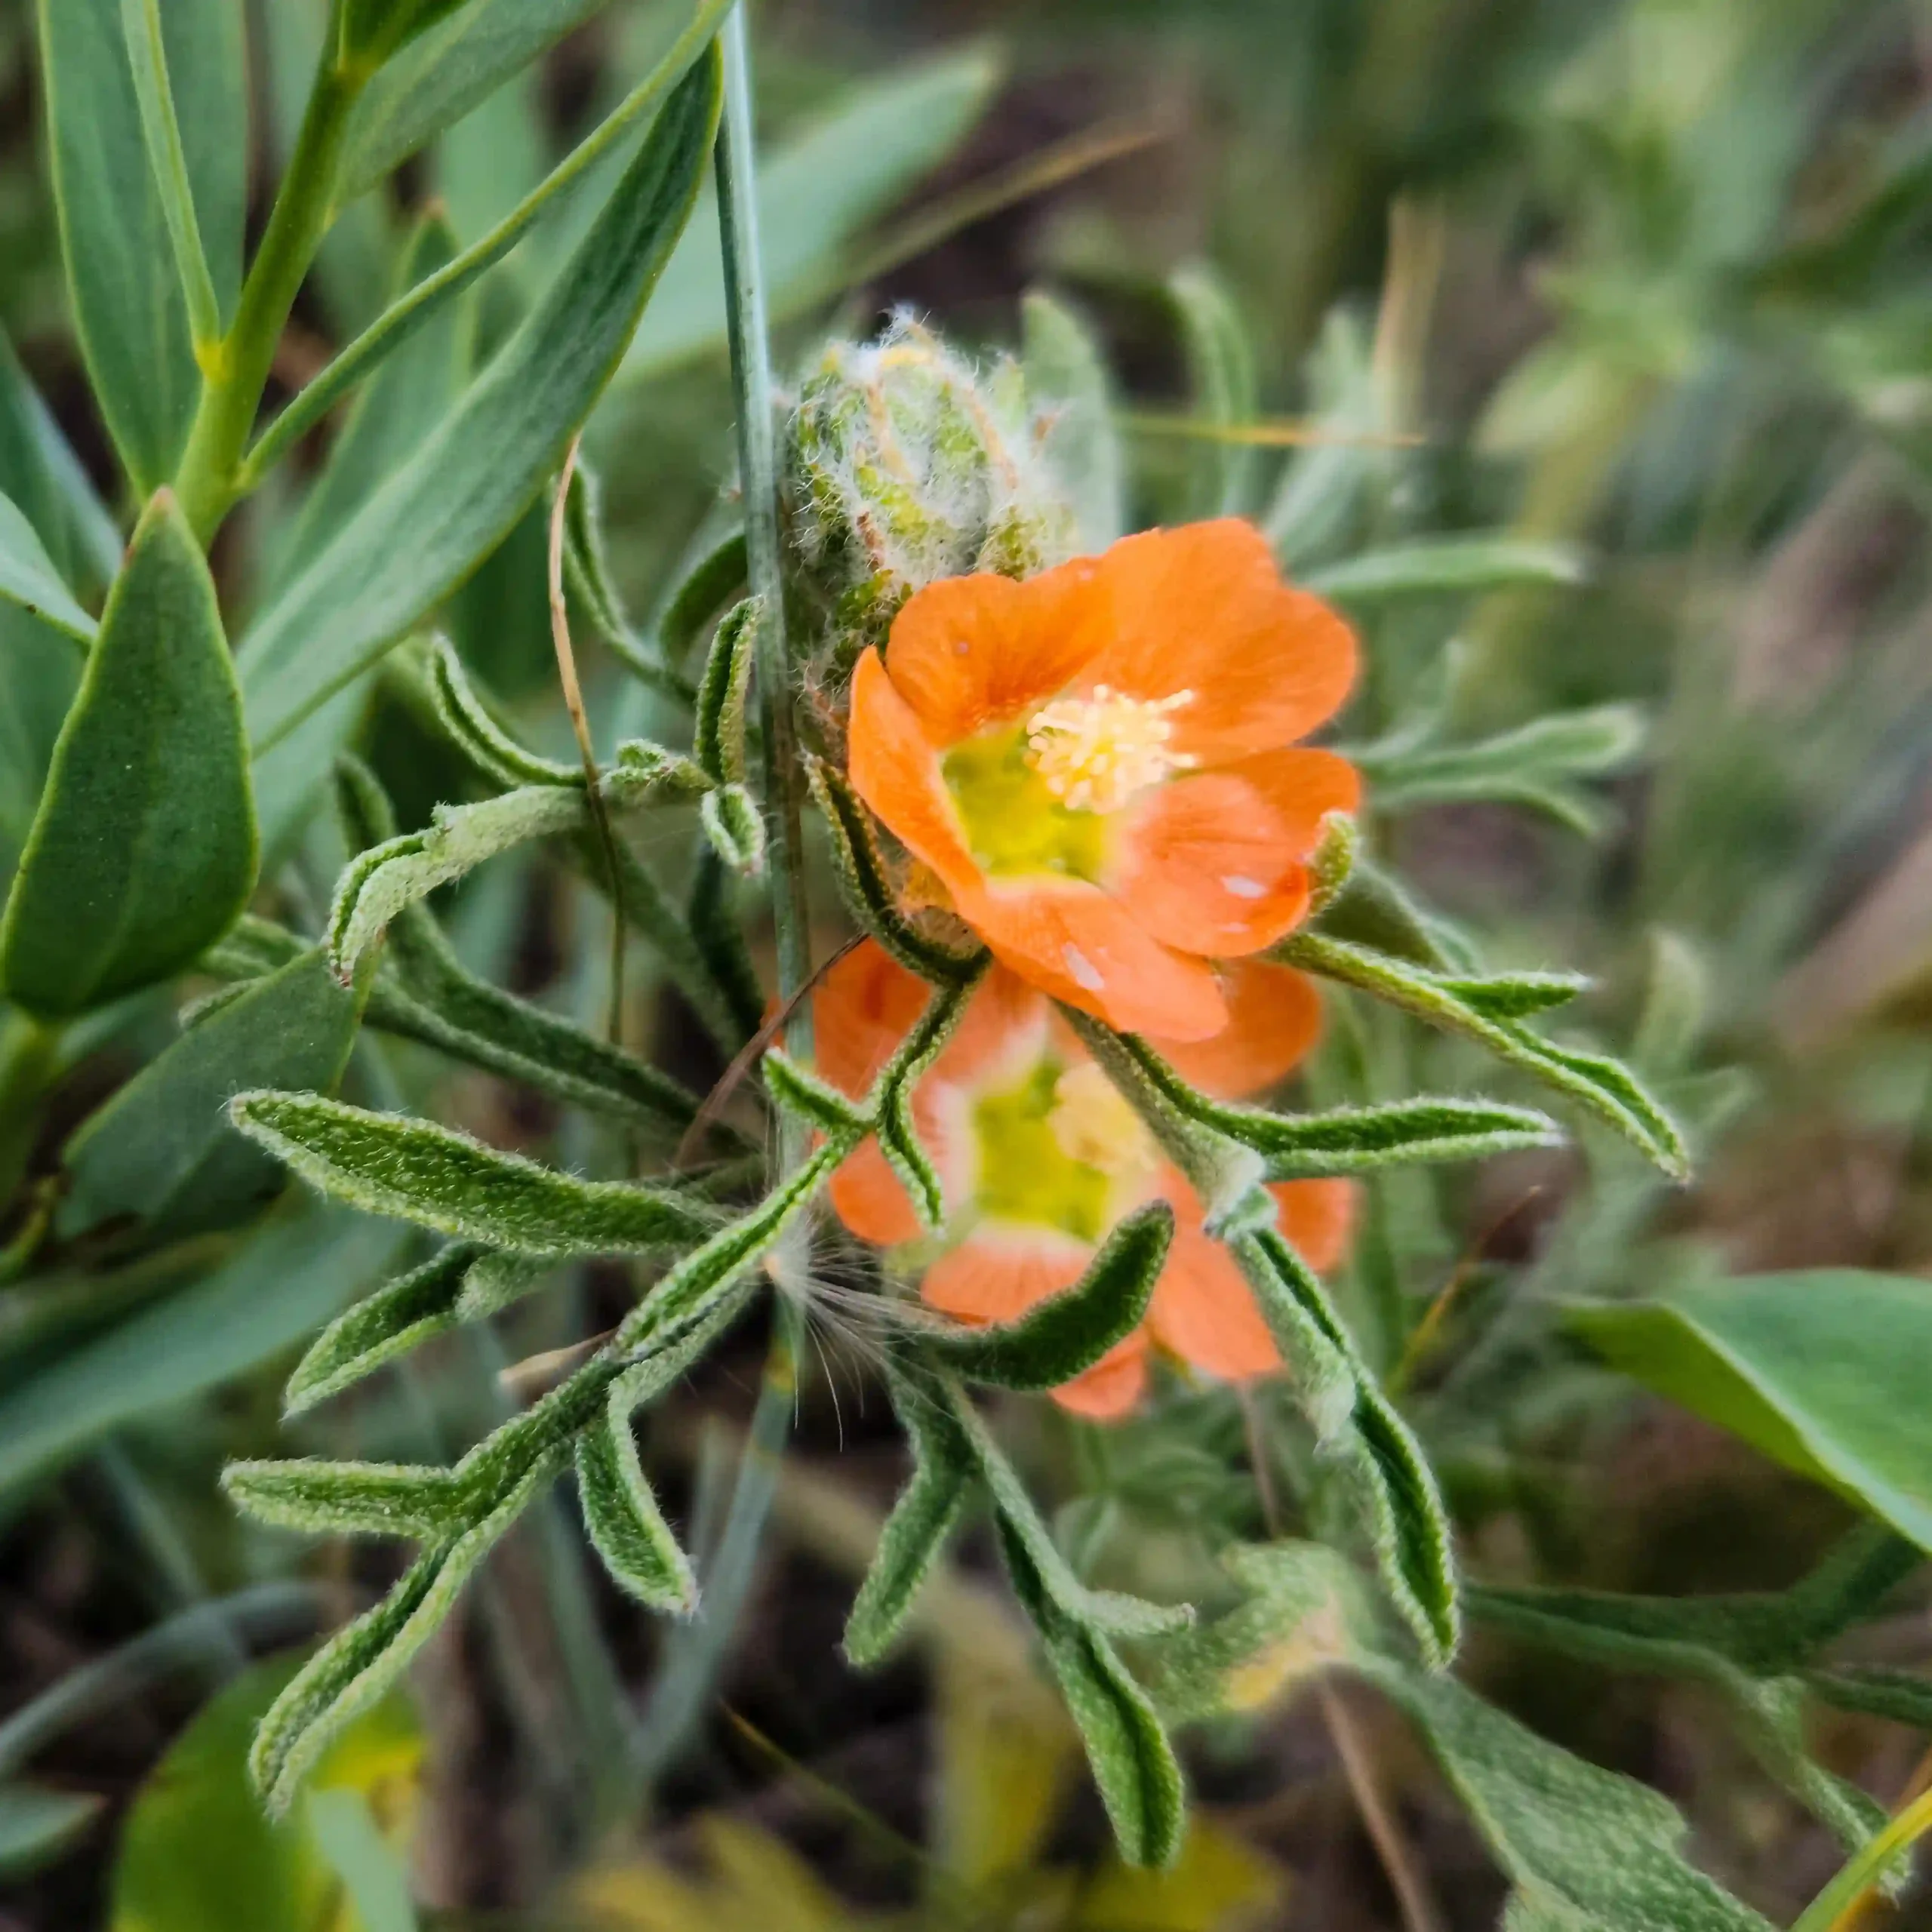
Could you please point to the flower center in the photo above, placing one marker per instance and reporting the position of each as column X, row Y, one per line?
column 1098, row 753
column 1095, row 1124
column 1057, row 1150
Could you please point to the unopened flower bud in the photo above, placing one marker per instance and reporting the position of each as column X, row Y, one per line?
column 907, row 464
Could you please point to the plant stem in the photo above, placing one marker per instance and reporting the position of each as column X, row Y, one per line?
column 1828, row 1910
column 691, row 1668
column 235, row 370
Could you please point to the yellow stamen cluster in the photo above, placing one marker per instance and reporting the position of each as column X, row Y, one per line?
column 1096, row 1125
column 1097, row 753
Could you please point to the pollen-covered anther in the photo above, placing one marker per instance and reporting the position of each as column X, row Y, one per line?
column 1098, row 752
column 1095, row 1125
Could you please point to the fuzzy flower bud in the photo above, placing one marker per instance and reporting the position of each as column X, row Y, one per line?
column 907, row 464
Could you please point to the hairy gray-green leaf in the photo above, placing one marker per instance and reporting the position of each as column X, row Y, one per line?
column 482, row 739
column 359, row 1664
column 430, row 523
column 1067, row 384
column 625, row 1523
column 142, row 852
column 128, row 308
column 943, row 1468
column 717, row 738
column 801, row 1092
column 1133, row 1763
column 716, row 577
column 868, row 886
column 382, row 1326
column 162, row 1148
column 735, row 829
column 1606, row 1087
column 891, row 1099
column 1069, row 1332
column 390, row 1164
column 28, row 578
column 424, row 1504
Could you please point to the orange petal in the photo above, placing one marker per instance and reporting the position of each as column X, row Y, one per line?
column 997, row 1275
column 1111, row 1386
column 1202, row 1310
column 867, row 1197
column 1317, row 1217
column 1080, row 945
column 969, row 652
column 1304, row 784
column 894, row 768
column 1206, row 865
column 1204, row 609
column 1274, row 1018
column 861, row 1010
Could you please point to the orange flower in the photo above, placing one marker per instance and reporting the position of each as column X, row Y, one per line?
column 1039, row 1157
column 1099, row 764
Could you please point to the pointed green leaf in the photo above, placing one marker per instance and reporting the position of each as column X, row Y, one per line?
column 625, row 1523
column 28, row 579
column 296, row 1273
column 40, row 472
column 943, row 1468
column 128, row 308
column 382, row 1326
column 434, row 519
column 357, row 1666
column 891, row 1102
column 1353, row 1140
column 1824, row 1371
column 1447, row 565
column 1069, row 1332
column 143, row 851
column 390, row 1164
column 37, row 1824
column 162, row 1150
column 349, row 1499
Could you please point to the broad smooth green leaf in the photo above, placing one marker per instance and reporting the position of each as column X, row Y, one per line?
column 40, row 671
column 1447, row 565
column 198, row 1855
column 162, row 1150
column 39, row 470
column 143, row 851
column 817, row 191
column 294, row 1276
column 37, row 1824
column 434, row 519
column 392, row 1165
column 28, row 579
column 1825, row 1371
column 443, row 74
column 398, row 410
column 128, row 308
